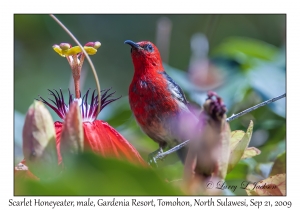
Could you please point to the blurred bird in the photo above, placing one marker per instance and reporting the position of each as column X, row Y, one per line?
column 158, row 103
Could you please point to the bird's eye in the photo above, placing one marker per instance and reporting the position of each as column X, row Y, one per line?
column 149, row 48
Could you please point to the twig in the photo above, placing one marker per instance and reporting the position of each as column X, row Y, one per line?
column 233, row 117
column 174, row 149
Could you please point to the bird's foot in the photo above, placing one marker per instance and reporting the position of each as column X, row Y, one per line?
column 152, row 161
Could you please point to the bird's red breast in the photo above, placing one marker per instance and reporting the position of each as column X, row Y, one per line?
column 158, row 103
column 149, row 96
column 148, row 91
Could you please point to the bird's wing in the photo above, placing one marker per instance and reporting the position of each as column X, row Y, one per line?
column 174, row 88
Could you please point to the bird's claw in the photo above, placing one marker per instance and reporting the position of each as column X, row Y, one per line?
column 152, row 160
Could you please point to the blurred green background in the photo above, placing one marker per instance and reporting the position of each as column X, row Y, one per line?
column 241, row 57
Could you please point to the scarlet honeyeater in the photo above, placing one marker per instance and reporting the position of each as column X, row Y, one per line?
column 158, row 103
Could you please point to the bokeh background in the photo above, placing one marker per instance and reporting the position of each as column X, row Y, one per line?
column 241, row 57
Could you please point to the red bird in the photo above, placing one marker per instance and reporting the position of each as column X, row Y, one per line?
column 158, row 103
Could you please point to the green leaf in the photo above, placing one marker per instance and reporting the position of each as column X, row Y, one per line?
column 269, row 88
column 246, row 51
column 250, row 152
column 239, row 172
column 279, row 166
column 238, row 151
column 94, row 175
column 235, row 137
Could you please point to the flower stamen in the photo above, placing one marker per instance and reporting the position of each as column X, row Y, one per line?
column 76, row 58
column 88, row 111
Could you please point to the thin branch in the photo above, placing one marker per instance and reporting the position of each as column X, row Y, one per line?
column 87, row 57
column 174, row 149
column 233, row 117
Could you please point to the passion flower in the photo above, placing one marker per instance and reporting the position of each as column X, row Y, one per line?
column 98, row 136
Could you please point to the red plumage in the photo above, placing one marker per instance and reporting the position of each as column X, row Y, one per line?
column 158, row 103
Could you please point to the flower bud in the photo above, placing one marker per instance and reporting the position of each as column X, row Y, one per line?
column 91, row 47
column 208, row 154
column 39, row 145
column 72, row 132
column 97, row 45
column 65, row 46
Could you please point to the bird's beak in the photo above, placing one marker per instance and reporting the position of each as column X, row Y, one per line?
column 132, row 44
